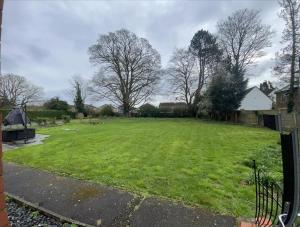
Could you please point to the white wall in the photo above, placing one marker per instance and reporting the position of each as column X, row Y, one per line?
column 256, row 100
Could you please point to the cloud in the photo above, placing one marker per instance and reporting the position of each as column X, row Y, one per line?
column 47, row 41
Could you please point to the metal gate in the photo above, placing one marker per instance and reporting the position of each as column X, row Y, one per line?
column 275, row 205
column 268, row 199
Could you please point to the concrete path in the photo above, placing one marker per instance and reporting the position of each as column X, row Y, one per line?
column 100, row 205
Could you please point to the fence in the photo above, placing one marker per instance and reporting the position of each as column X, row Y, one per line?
column 288, row 120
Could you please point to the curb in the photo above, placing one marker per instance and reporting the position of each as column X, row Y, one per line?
column 45, row 211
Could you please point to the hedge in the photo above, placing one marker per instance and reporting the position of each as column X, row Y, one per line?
column 34, row 114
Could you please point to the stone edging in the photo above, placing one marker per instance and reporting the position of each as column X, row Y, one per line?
column 45, row 211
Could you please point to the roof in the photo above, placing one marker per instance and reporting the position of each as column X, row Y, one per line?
column 252, row 88
column 286, row 88
column 172, row 104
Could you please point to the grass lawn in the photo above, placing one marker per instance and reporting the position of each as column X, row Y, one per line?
column 200, row 163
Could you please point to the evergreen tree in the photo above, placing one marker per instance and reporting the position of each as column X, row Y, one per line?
column 238, row 85
column 205, row 48
column 78, row 100
column 226, row 89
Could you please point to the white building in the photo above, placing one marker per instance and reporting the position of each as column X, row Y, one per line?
column 255, row 99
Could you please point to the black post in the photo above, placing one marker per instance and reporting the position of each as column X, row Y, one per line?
column 291, row 176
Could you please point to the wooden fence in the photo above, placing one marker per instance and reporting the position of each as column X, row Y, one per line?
column 289, row 120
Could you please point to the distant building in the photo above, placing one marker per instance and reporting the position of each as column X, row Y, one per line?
column 171, row 106
column 255, row 99
column 282, row 98
column 283, row 93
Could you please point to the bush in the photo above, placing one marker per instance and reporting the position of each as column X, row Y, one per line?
column 79, row 116
column 57, row 104
column 176, row 112
column 180, row 112
column 107, row 111
column 66, row 118
column 90, row 111
column 41, row 121
column 35, row 114
column 148, row 110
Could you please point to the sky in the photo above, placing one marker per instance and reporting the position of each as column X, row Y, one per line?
column 47, row 41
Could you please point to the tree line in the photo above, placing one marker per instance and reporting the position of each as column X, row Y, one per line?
column 210, row 75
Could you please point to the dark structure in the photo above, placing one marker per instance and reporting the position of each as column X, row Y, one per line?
column 17, row 116
column 272, row 121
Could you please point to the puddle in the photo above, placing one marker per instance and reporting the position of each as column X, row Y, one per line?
column 87, row 192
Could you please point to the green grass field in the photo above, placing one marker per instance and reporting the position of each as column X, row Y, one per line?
column 201, row 163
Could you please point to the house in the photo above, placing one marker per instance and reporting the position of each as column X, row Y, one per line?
column 171, row 106
column 283, row 93
column 282, row 98
column 255, row 99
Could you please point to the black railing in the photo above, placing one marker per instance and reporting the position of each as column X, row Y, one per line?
column 268, row 199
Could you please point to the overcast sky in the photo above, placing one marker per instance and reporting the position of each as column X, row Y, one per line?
column 47, row 41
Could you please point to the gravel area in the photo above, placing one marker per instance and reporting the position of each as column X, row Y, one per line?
column 22, row 216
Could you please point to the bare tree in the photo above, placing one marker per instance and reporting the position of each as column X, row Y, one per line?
column 16, row 90
column 243, row 37
column 286, row 60
column 129, row 69
column 183, row 75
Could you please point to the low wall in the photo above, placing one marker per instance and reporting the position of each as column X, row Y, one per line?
column 290, row 120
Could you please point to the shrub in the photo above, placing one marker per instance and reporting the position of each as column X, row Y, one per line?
column 79, row 116
column 57, row 104
column 148, row 110
column 180, row 112
column 41, row 121
column 66, row 118
column 35, row 114
column 107, row 111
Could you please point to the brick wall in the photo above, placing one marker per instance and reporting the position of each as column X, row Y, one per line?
column 3, row 215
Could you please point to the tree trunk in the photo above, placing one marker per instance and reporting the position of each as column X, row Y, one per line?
column 126, row 109
column 292, row 79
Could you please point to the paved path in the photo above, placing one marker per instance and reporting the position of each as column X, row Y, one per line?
column 95, row 204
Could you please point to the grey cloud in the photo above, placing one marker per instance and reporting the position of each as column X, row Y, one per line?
column 47, row 41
